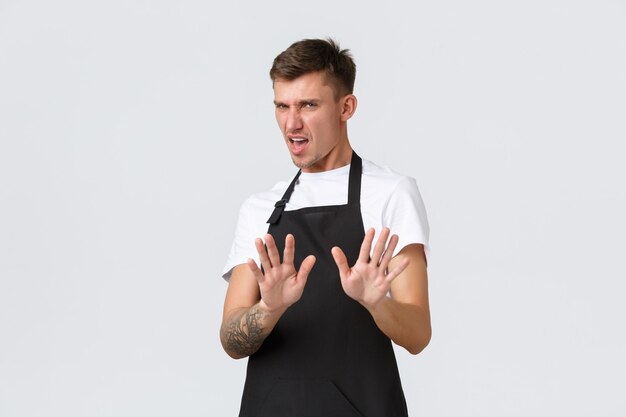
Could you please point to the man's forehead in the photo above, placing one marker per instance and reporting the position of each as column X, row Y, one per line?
column 311, row 84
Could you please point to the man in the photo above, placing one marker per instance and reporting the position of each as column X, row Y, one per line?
column 317, row 316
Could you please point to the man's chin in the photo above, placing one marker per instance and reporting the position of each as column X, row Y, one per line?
column 303, row 163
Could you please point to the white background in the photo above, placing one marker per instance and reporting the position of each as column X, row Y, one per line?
column 131, row 131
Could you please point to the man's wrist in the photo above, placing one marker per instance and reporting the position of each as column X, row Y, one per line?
column 377, row 307
column 268, row 311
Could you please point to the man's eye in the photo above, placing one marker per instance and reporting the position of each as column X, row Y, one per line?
column 309, row 104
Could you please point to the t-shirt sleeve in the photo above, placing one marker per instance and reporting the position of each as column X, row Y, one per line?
column 405, row 215
column 243, row 243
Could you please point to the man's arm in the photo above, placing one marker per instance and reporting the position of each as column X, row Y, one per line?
column 255, row 301
column 405, row 316
column 244, row 323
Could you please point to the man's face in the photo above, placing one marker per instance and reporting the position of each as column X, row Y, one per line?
column 311, row 122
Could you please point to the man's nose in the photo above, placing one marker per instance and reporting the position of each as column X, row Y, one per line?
column 294, row 121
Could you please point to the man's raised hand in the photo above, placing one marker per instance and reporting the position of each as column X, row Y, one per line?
column 368, row 281
column 281, row 285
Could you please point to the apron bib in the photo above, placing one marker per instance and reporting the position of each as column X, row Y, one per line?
column 325, row 357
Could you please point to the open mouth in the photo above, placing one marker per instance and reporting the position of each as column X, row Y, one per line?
column 298, row 140
column 298, row 144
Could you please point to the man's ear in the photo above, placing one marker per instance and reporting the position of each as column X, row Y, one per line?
column 348, row 108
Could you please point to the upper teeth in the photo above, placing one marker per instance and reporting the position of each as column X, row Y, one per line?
column 298, row 139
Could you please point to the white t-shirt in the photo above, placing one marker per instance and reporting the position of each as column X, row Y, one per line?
column 388, row 199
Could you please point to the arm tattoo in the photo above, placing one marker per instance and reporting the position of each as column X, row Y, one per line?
column 244, row 334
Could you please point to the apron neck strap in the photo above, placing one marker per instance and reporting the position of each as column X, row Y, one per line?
column 354, row 189
column 279, row 207
column 354, row 180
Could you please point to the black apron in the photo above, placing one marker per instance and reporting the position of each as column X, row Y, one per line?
column 325, row 357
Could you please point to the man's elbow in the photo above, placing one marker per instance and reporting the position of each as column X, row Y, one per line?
column 233, row 353
column 420, row 343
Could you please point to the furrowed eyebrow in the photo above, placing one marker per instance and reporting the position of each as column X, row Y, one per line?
column 300, row 102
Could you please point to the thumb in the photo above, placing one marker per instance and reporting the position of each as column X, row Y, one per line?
column 258, row 274
column 341, row 261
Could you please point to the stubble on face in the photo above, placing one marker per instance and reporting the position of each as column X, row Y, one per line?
column 307, row 164
column 307, row 109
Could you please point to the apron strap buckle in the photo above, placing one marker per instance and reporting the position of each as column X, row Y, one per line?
column 279, row 207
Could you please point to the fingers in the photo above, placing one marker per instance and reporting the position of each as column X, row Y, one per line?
column 262, row 251
column 305, row 267
column 393, row 242
column 288, row 253
column 397, row 270
column 269, row 256
column 366, row 246
column 268, row 252
column 272, row 250
column 341, row 260
column 383, row 252
column 258, row 274
column 380, row 245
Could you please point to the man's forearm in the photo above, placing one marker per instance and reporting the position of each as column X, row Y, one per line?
column 243, row 332
column 406, row 325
